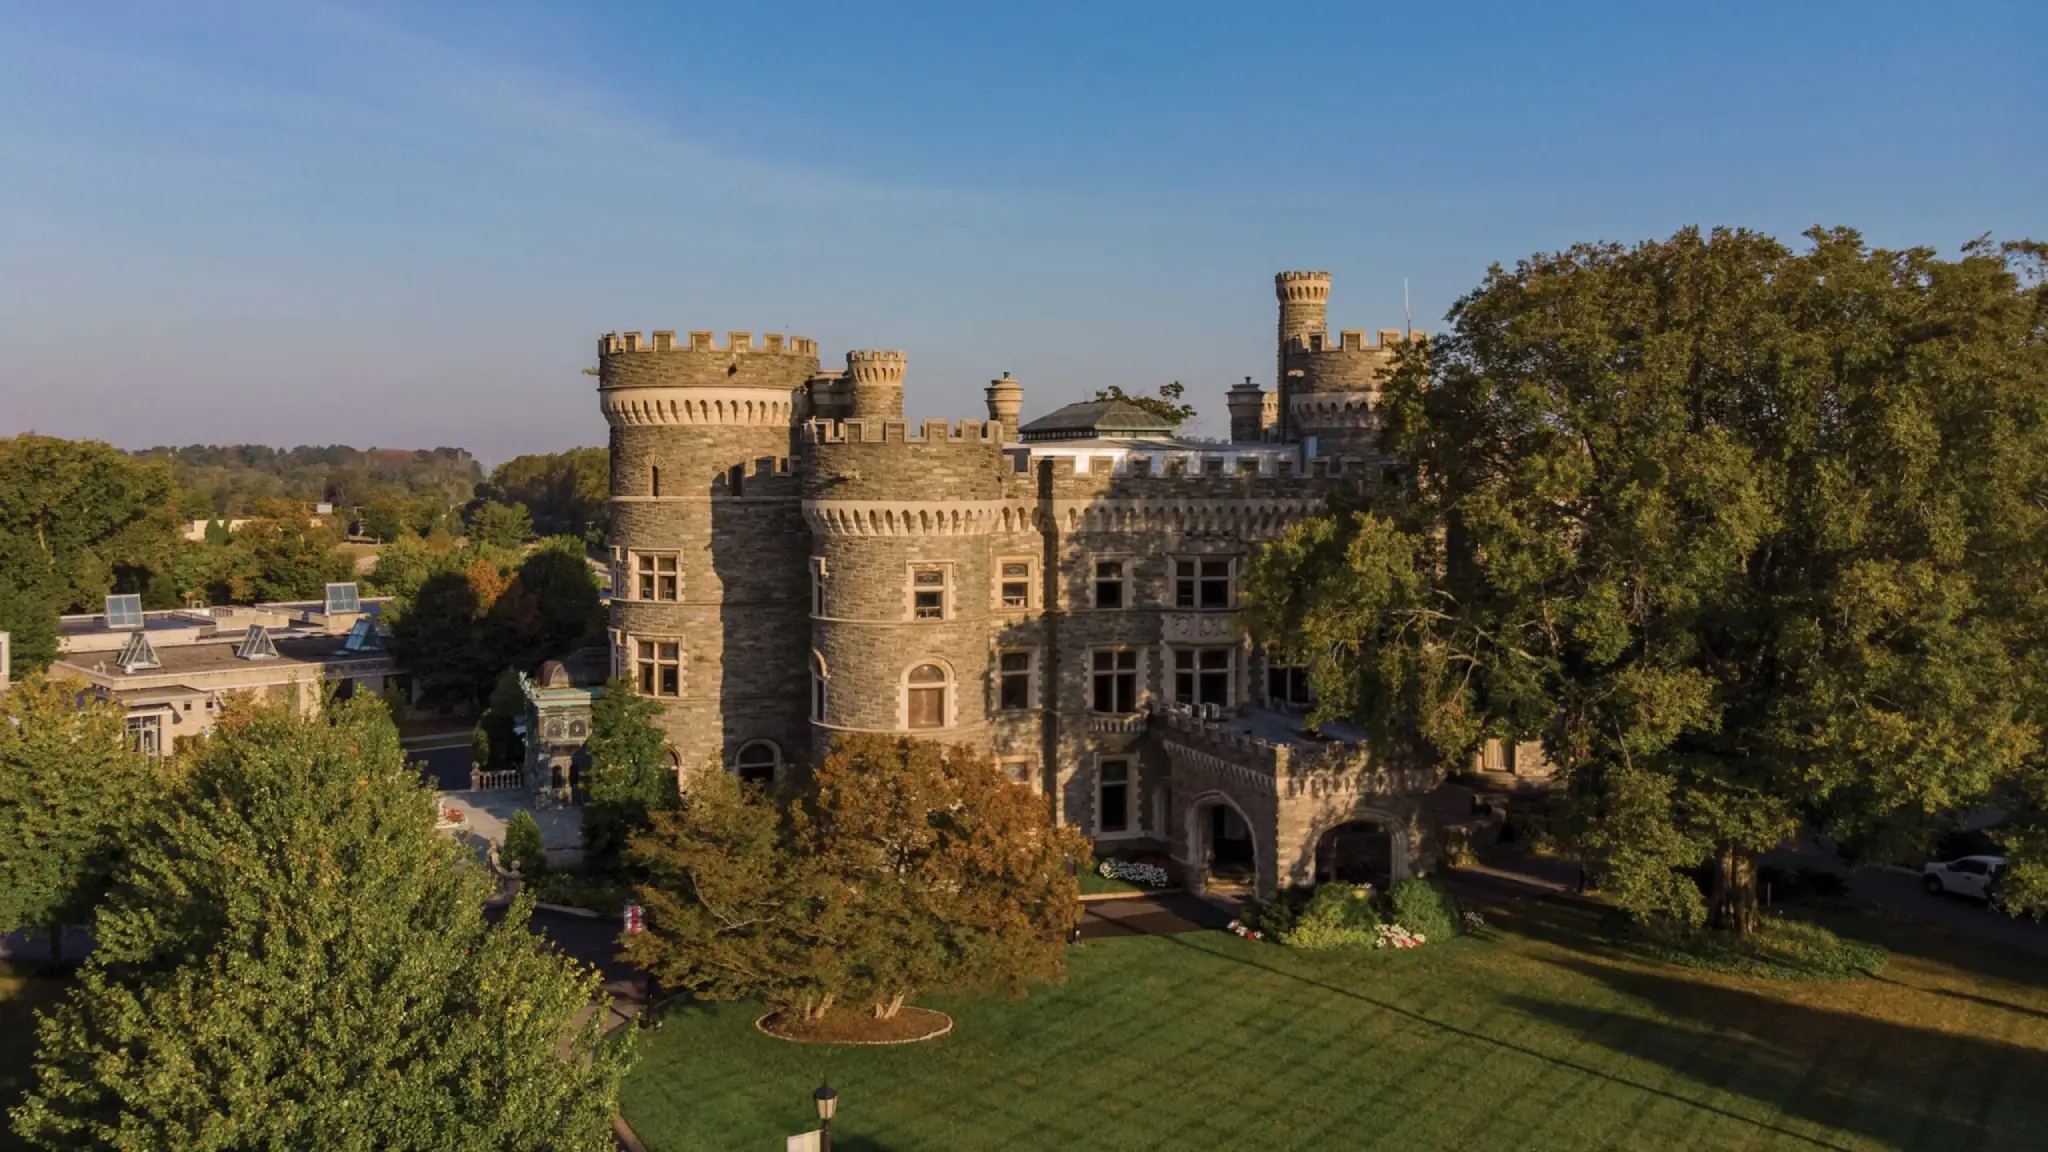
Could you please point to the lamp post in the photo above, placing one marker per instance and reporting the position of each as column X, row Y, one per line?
column 828, row 1103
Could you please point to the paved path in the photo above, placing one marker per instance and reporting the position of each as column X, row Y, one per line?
column 1162, row 915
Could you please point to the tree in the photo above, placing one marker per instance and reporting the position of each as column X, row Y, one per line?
column 501, row 526
column 402, row 566
column 629, row 777
column 75, row 512
column 434, row 636
column 29, row 617
column 73, row 790
column 1753, row 538
column 1167, row 405
column 733, row 910
column 385, row 519
column 953, row 875
column 524, row 848
column 550, row 608
column 282, row 553
column 908, row 866
column 293, row 958
column 567, row 493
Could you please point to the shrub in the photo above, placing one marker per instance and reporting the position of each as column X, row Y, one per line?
column 1336, row 916
column 1277, row 917
column 1424, row 907
column 523, row 847
column 1779, row 950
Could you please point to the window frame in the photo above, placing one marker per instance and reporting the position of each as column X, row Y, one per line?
column 1127, row 788
column 648, row 573
column 1003, row 579
column 145, row 733
column 648, row 662
column 1294, row 676
column 1200, row 582
column 818, row 576
column 1123, row 581
column 1006, row 678
column 944, row 591
column 1019, row 770
column 821, row 689
column 1115, row 676
column 739, row 766
column 1197, row 674
column 946, row 687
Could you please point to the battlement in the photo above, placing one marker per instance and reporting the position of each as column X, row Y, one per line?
column 901, row 431
column 876, row 366
column 1348, row 340
column 1302, row 286
column 756, row 476
column 737, row 343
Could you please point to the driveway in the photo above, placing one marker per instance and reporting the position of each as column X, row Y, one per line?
column 1162, row 915
column 445, row 766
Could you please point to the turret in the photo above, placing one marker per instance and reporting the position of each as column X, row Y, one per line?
column 1247, row 402
column 1005, row 404
column 1304, row 310
column 875, row 380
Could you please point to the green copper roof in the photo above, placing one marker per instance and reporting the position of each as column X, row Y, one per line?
column 1091, row 419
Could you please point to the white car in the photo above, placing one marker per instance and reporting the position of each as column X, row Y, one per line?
column 1966, row 876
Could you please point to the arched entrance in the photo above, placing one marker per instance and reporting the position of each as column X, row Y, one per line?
column 1222, row 855
column 1365, row 850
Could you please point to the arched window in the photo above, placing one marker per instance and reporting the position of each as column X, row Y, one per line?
column 654, row 479
column 819, row 681
column 927, row 686
column 758, row 763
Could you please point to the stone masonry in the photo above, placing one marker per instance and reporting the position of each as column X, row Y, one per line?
column 794, row 561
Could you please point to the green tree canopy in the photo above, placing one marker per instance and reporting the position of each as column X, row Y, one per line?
column 501, row 525
column 75, row 515
column 1752, row 537
column 566, row 493
column 629, row 777
column 293, row 958
column 73, row 790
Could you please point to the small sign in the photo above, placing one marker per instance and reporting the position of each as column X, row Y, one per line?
column 635, row 919
column 805, row 1142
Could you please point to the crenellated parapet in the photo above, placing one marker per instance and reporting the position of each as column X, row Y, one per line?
column 666, row 381
column 1314, row 770
column 901, row 432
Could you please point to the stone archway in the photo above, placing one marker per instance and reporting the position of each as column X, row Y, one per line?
column 1364, row 848
column 1221, row 851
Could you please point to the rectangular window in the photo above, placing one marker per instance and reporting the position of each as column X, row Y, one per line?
column 658, row 576
column 1015, row 590
column 1202, row 676
column 1201, row 583
column 147, row 734
column 1013, row 692
column 1016, row 771
column 1212, row 465
column 928, row 593
column 1109, row 584
column 1115, row 681
column 818, row 684
column 1287, row 686
column 1112, row 797
column 659, row 667
column 817, row 585
column 1248, row 465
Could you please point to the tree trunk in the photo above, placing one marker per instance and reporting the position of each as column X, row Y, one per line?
column 1733, row 908
column 887, row 1009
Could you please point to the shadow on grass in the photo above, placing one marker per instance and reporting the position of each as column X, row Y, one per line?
column 1508, row 1045
column 1894, row 1083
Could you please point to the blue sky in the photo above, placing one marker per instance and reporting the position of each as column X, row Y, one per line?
column 405, row 224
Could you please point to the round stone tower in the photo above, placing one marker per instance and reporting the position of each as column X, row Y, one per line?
column 708, row 539
column 1005, row 405
column 875, row 380
column 1304, row 310
column 901, row 520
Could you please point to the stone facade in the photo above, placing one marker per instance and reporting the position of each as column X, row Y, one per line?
column 793, row 561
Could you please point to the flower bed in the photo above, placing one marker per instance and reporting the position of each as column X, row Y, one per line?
column 1132, row 872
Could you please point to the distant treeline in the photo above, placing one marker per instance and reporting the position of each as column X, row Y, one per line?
column 225, row 480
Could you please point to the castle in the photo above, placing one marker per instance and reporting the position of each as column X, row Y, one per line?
column 793, row 561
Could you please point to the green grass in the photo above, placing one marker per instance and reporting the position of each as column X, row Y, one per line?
column 1096, row 884
column 1531, row 1033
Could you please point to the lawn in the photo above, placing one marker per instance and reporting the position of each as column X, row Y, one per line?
column 1530, row 1034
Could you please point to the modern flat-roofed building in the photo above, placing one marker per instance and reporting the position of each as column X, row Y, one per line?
column 173, row 670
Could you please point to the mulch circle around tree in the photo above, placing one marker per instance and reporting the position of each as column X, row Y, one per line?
column 909, row 1026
